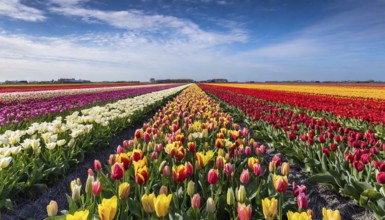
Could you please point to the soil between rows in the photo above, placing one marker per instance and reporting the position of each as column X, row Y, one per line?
column 36, row 207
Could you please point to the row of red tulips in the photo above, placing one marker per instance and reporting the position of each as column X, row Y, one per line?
column 350, row 162
column 363, row 109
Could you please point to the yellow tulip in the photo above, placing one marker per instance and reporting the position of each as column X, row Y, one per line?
column 298, row 216
column 107, row 210
column 162, row 204
column 79, row 215
column 285, row 169
column 269, row 208
column 329, row 214
column 52, row 208
column 124, row 190
column 148, row 202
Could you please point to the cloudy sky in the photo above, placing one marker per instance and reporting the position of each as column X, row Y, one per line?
column 200, row 39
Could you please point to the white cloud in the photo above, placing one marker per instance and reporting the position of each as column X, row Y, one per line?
column 169, row 27
column 17, row 10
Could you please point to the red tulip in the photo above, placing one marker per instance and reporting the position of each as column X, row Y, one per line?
column 228, row 168
column 244, row 212
column 276, row 160
column 117, row 171
column 196, row 201
column 96, row 188
column 97, row 165
column 245, row 177
column 257, row 169
column 302, row 201
column 212, row 176
column 381, row 178
column 326, row 151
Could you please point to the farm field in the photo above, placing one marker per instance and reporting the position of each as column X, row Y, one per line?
column 196, row 151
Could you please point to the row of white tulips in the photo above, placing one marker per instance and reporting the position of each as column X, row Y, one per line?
column 64, row 92
column 76, row 125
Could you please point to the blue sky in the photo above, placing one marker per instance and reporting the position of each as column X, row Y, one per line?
column 200, row 39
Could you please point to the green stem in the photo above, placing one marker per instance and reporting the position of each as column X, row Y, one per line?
column 280, row 205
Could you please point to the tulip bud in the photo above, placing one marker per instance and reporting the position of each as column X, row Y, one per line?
column 111, row 159
column 247, row 150
column 124, row 190
column 302, row 201
column 285, row 169
column 163, row 190
column 76, row 192
column 230, row 196
column 212, row 176
column 97, row 165
column 191, row 146
column 117, row 171
column 272, row 167
column 245, row 177
column 257, row 169
column 52, row 208
column 196, row 201
column 89, row 181
column 280, row 183
column 166, row 171
column 241, row 195
column 329, row 214
column 210, row 206
column 381, row 178
column 154, row 155
column 119, row 150
column 191, row 188
column 244, row 212
column 228, row 168
column 219, row 162
column 96, row 188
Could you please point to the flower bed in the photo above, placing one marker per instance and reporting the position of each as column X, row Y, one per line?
column 190, row 162
column 348, row 161
column 45, row 150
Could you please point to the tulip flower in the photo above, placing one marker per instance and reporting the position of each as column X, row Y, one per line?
column 162, row 204
column 329, row 214
column 166, row 171
column 124, row 159
column 97, row 165
column 96, row 188
column 124, row 190
column 212, row 176
column 117, row 171
column 79, row 215
column 244, row 212
column 298, row 189
column 298, row 216
column 107, row 210
column 228, row 168
column 75, row 190
column 302, row 201
column 245, row 177
column 285, row 169
column 179, row 173
column 163, row 190
column 52, row 208
column 219, row 162
column 148, row 203
column 210, row 205
column 191, row 146
column 196, row 201
column 191, row 188
column 257, row 169
column 251, row 161
column 241, row 194
column 280, row 183
column 276, row 160
column 269, row 208
column 381, row 178
column 230, row 199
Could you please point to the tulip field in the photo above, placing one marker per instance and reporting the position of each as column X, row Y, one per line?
column 207, row 151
